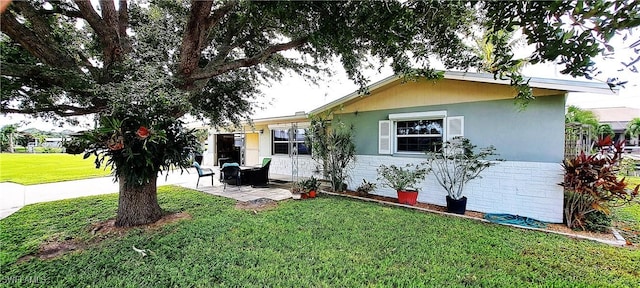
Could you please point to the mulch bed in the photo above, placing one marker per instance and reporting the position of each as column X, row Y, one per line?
column 479, row 215
column 428, row 206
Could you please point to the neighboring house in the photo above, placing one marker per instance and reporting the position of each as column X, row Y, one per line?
column 618, row 118
column 397, row 121
column 52, row 142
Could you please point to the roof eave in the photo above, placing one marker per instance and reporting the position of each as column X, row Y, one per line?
column 544, row 83
column 282, row 118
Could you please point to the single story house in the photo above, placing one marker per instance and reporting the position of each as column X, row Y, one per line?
column 618, row 118
column 53, row 142
column 397, row 120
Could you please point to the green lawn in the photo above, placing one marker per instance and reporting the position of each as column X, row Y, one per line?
column 29, row 169
column 633, row 180
column 627, row 218
column 328, row 241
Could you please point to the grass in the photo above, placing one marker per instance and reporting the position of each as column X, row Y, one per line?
column 633, row 181
column 627, row 218
column 30, row 169
column 328, row 241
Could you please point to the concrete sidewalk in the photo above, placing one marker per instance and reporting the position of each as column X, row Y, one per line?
column 15, row 196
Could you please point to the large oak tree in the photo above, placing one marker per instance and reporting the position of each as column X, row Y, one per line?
column 143, row 64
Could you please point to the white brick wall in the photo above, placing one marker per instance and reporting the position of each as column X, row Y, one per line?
column 521, row 188
column 281, row 164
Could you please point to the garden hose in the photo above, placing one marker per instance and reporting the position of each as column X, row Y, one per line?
column 514, row 220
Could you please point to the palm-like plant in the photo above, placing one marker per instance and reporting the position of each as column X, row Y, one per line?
column 633, row 127
column 576, row 115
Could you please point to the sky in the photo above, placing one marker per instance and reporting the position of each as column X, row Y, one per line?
column 295, row 94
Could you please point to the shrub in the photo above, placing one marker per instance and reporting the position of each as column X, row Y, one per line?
column 597, row 222
column 365, row 188
column 456, row 163
column 591, row 183
column 310, row 184
column 402, row 178
column 19, row 149
column 333, row 147
column 296, row 187
column 627, row 167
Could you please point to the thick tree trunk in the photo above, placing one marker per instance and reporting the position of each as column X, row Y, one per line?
column 137, row 205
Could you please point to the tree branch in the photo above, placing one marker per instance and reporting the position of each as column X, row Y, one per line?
column 248, row 62
column 197, row 32
column 61, row 110
column 193, row 38
column 37, row 41
column 43, row 75
column 107, row 29
column 123, row 24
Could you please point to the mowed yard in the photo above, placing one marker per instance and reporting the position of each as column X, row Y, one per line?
column 327, row 241
column 30, row 169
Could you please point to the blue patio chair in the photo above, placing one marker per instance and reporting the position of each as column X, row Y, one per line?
column 203, row 172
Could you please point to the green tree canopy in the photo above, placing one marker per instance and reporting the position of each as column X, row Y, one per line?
column 577, row 115
column 633, row 127
column 136, row 61
column 210, row 58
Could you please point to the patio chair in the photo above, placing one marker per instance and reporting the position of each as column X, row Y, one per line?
column 231, row 174
column 257, row 177
column 203, row 172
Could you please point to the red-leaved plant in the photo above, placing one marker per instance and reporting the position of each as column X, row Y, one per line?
column 591, row 183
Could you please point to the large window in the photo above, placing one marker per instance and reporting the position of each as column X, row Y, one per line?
column 284, row 140
column 419, row 135
column 417, row 132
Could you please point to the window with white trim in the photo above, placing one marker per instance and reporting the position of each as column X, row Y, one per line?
column 283, row 141
column 417, row 132
column 419, row 135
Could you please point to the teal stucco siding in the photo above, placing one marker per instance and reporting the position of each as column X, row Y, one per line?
column 535, row 134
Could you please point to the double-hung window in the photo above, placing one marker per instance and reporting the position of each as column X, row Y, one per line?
column 417, row 132
column 287, row 141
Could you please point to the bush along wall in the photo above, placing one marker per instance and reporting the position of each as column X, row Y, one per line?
column 592, row 186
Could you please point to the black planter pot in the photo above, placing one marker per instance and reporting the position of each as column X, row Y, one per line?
column 456, row 206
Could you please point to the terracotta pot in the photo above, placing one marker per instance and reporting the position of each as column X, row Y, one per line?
column 409, row 197
column 312, row 194
column 456, row 206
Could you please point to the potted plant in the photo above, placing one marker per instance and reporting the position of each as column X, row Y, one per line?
column 454, row 165
column 310, row 186
column 365, row 188
column 296, row 190
column 403, row 180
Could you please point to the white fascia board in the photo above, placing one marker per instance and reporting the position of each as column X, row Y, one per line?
column 545, row 83
column 284, row 126
column 418, row 115
column 290, row 119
